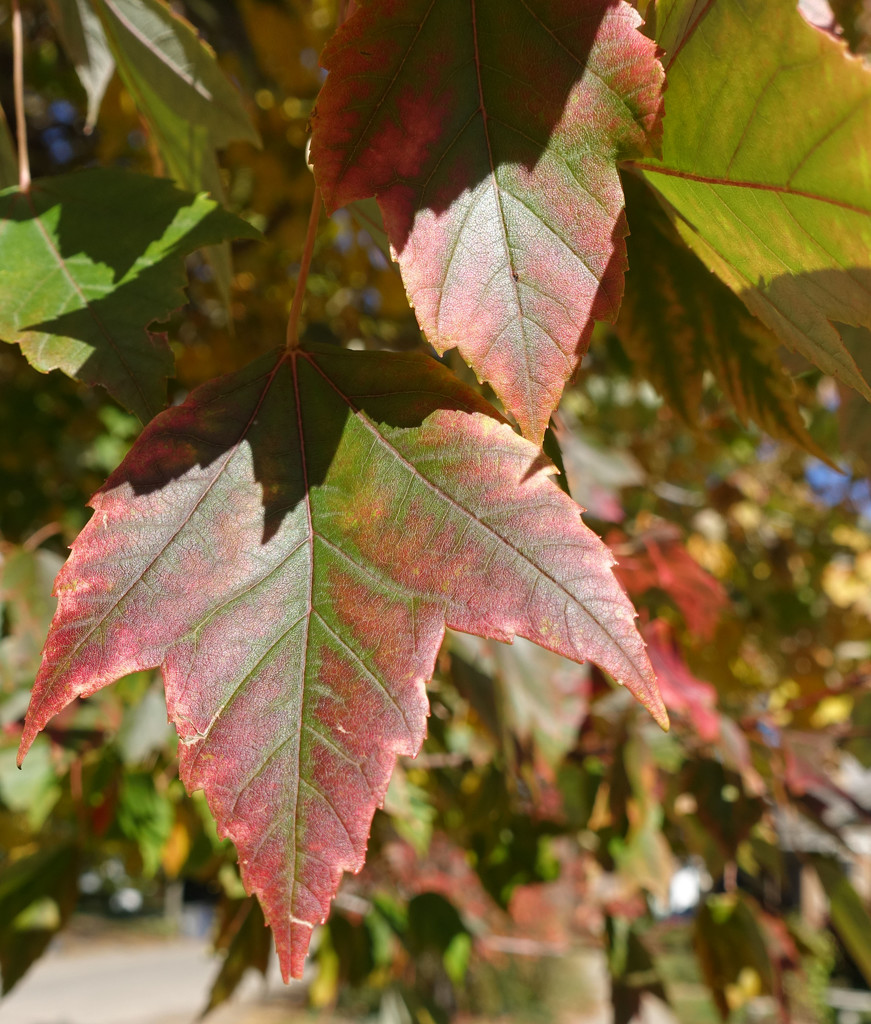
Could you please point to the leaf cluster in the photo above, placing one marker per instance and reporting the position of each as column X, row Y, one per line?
column 646, row 280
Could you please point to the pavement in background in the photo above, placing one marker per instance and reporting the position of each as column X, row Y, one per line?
column 167, row 982
column 154, row 983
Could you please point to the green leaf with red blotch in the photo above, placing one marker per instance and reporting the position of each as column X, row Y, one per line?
column 77, row 294
column 766, row 167
column 288, row 546
column 489, row 134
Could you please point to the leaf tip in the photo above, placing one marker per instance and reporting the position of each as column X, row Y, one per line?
column 23, row 747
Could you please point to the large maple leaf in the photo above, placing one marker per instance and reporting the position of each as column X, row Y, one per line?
column 788, row 225
column 288, row 546
column 489, row 134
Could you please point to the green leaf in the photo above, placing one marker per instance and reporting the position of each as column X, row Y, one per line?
column 146, row 817
column 247, row 944
column 84, row 40
column 312, row 524
column 732, row 951
column 77, row 292
column 678, row 321
column 37, row 895
column 854, row 412
column 190, row 105
column 766, row 166
column 850, row 918
column 634, row 975
column 8, row 155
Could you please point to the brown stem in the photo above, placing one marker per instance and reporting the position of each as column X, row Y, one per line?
column 299, row 294
column 43, row 533
column 18, row 86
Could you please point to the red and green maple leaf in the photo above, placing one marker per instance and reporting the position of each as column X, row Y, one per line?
column 490, row 134
column 289, row 546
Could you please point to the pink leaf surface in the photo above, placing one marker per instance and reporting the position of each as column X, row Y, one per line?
column 288, row 546
column 489, row 134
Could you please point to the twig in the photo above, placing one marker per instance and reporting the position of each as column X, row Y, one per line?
column 18, row 86
column 299, row 294
column 43, row 533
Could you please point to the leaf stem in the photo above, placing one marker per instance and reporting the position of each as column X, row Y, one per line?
column 299, row 294
column 18, row 86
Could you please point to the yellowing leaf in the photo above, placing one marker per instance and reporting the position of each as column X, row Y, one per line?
column 766, row 166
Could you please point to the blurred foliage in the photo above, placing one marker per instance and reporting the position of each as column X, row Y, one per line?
column 547, row 813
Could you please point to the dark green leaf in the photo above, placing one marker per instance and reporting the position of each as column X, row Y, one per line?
column 77, row 292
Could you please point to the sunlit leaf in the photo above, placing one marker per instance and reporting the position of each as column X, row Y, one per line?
column 497, row 182
column 84, row 40
column 189, row 103
column 77, row 293
column 311, row 524
column 786, row 223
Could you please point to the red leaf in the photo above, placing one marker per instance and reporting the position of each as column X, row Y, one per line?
column 658, row 559
column 682, row 692
column 288, row 547
column 490, row 135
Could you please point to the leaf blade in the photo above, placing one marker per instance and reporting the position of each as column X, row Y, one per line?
column 499, row 192
column 679, row 320
column 325, row 573
column 787, row 227
column 85, row 42
column 77, row 295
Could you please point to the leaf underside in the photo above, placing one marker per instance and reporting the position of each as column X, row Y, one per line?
column 288, row 546
column 190, row 104
column 498, row 183
column 679, row 320
column 77, row 294
column 82, row 36
column 786, row 226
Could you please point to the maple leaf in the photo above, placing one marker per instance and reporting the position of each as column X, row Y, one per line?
column 786, row 226
column 678, row 320
column 489, row 134
column 289, row 546
column 77, row 294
